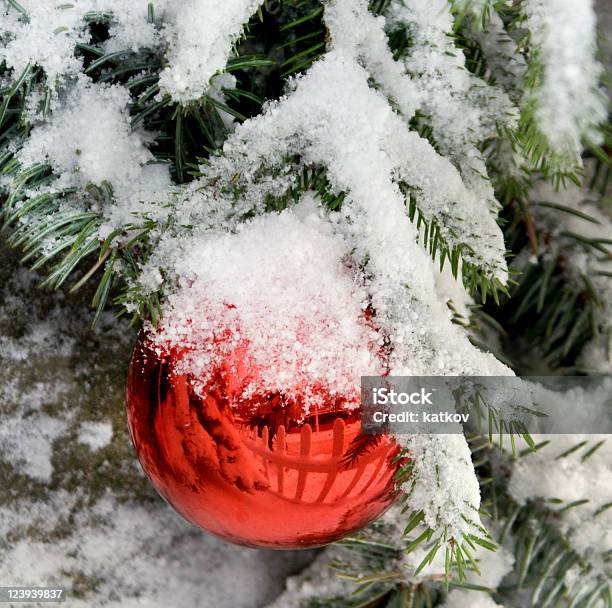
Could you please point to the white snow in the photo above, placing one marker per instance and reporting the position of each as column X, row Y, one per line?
column 444, row 485
column 47, row 37
column 27, row 435
column 31, row 450
column 135, row 556
column 569, row 105
column 96, row 435
column 547, row 475
column 89, row 140
column 463, row 110
column 334, row 119
column 278, row 296
column 361, row 34
column 197, row 36
column 201, row 34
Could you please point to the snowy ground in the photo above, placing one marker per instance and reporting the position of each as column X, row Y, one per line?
column 75, row 509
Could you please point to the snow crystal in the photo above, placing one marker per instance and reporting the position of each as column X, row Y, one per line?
column 46, row 38
column 130, row 26
column 569, row 107
column 357, row 31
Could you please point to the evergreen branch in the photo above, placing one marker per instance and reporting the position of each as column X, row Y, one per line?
column 17, row 6
column 51, row 227
column 365, row 596
column 476, row 277
column 560, row 167
column 557, row 307
column 303, row 39
column 561, row 160
column 545, row 556
column 542, row 547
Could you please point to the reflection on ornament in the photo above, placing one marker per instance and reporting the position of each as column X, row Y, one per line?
column 255, row 471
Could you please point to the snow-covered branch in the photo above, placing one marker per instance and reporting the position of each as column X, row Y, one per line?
column 564, row 77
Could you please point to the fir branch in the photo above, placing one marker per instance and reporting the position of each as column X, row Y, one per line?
column 545, row 556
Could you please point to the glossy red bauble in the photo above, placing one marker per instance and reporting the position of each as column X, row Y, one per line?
column 255, row 471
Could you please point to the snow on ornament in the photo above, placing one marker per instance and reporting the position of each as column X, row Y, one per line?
column 244, row 405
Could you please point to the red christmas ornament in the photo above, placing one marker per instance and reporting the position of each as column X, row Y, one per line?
column 255, row 471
